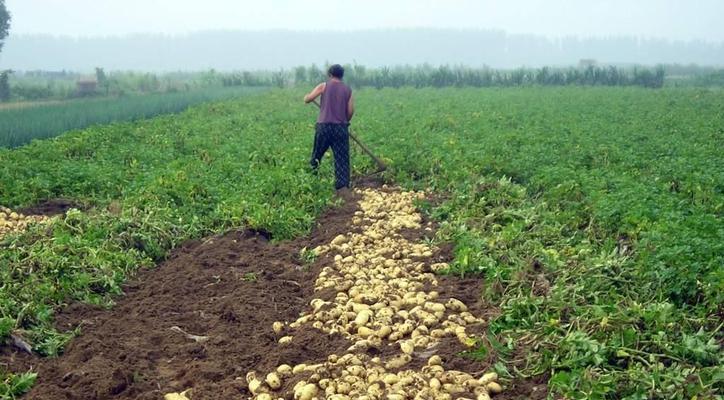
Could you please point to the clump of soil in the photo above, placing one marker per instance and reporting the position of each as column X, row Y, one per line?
column 534, row 388
column 50, row 207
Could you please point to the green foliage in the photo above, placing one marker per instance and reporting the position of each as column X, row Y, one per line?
column 151, row 185
column 308, row 256
column 4, row 23
column 12, row 385
column 5, row 85
column 593, row 214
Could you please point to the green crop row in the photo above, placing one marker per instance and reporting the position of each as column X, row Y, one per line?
column 19, row 126
column 593, row 214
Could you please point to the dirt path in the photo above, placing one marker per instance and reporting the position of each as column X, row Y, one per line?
column 29, row 104
column 204, row 319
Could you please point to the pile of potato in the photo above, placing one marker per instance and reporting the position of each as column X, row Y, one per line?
column 384, row 297
column 360, row 376
column 13, row 222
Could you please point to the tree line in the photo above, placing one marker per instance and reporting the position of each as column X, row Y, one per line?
column 457, row 76
column 44, row 85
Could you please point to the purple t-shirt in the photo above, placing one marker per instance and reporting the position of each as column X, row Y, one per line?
column 334, row 103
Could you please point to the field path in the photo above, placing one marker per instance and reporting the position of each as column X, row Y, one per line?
column 366, row 316
column 30, row 104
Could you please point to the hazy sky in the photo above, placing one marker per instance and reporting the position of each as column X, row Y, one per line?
column 673, row 19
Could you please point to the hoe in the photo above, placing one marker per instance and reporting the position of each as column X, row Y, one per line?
column 381, row 167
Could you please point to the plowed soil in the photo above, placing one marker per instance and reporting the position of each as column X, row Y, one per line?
column 227, row 291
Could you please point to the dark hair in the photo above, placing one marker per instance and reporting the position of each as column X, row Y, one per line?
column 336, row 71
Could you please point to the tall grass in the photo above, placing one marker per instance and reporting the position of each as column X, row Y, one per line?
column 20, row 126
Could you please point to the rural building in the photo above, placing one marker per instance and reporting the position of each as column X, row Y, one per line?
column 86, row 86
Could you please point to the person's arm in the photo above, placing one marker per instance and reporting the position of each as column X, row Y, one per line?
column 316, row 92
column 350, row 108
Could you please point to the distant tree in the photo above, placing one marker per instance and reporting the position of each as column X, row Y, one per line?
column 300, row 75
column 4, row 23
column 102, row 79
column 315, row 75
column 279, row 79
column 5, row 85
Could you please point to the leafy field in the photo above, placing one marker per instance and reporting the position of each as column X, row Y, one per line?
column 592, row 214
column 20, row 125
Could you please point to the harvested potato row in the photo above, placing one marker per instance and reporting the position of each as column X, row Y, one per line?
column 13, row 222
column 380, row 278
column 385, row 297
column 360, row 376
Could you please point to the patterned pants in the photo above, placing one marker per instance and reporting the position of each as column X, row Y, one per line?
column 335, row 136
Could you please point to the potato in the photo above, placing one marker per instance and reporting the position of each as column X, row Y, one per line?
column 356, row 370
column 434, row 360
column 482, row 396
column 489, row 377
column 494, row 387
column 273, row 380
column 284, row 370
column 453, row 388
column 339, row 240
column 364, row 332
column 177, row 396
column 456, row 305
column 390, row 379
column 255, row 386
column 343, row 387
column 438, row 333
column 306, row 392
column 398, row 361
column 363, row 317
column 384, row 331
column 407, row 347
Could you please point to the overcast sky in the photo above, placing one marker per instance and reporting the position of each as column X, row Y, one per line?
column 672, row 19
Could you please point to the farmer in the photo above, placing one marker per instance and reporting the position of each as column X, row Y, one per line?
column 332, row 129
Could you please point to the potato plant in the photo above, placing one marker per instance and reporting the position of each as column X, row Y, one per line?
column 593, row 214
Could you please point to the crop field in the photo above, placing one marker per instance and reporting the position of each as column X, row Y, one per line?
column 533, row 241
column 22, row 122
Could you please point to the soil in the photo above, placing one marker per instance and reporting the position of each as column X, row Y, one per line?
column 535, row 388
column 50, row 207
column 229, row 289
